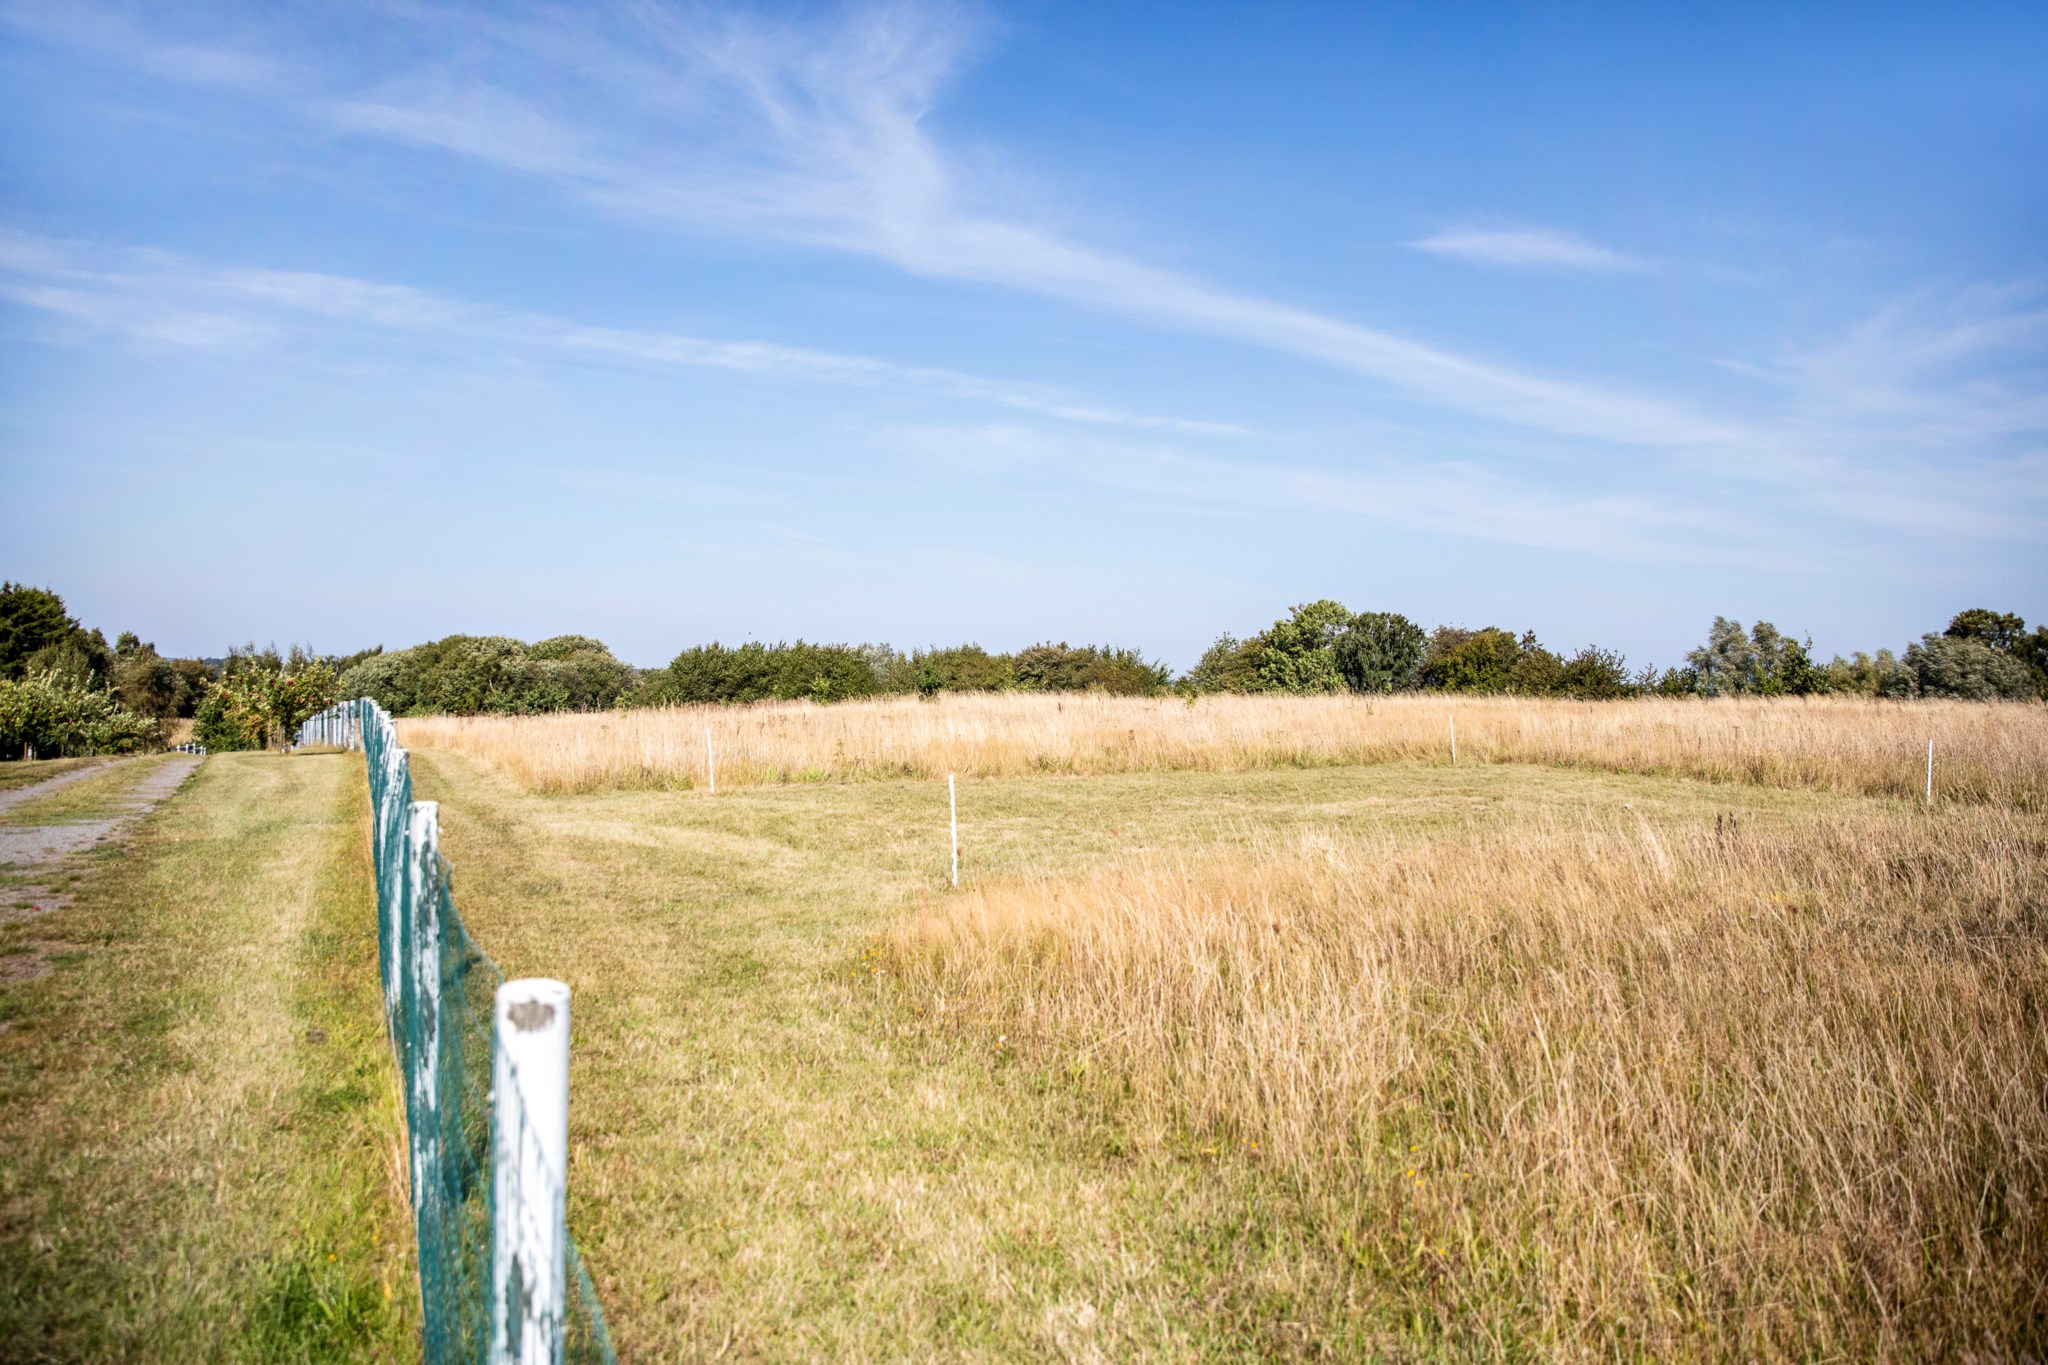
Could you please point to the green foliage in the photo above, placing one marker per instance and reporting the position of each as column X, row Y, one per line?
column 262, row 699
column 1595, row 674
column 1229, row 665
column 1088, row 668
column 53, row 717
column 963, row 668
column 1863, row 675
column 1298, row 653
column 193, row 679
column 1380, row 651
column 472, row 674
column 31, row 619
column 1461, row 660
column 2032, row 650
column 144, row 680
column 1967, row 667
column 2007, row 633
column 1762, row 663
column 1536, row 672
column 82, row 658
column 758, row 672
column 2000, row 630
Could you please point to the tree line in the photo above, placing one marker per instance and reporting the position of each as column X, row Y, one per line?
column 1318, row 647
column 1323, row 647
column 65, row 690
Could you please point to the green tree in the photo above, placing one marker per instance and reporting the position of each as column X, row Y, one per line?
column 2000, row 630
column 1462, row 660
column 51, row 716
column 2032, row 650
column 475, row 674
column 31, row 619
column 263, row 700
column 1966, row 667
column 1536, row 672
column 1298, row 653
column 1229, row 665
column 1380, row 651
column 144, row 680
column 1595, row 674
column 1765, row 662
column 1088, row 668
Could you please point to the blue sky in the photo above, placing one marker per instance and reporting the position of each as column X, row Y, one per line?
column 931, row 322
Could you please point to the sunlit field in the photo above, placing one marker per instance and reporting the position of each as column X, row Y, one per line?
column 1983, row 751
column 1646, row 1030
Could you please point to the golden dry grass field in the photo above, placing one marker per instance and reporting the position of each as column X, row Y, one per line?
column 1649, row 1030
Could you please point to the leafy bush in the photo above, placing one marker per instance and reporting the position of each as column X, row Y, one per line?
column 1596, row 674
column 1461, row 660
column 54, row 717
column 1298, row 654
column 1380, row 651
column 1882, row 676
column 963, row 668
column 1088, row 668
column 758, row 672
column 1229, row 665
column 471, row 674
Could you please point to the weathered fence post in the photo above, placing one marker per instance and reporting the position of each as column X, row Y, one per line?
column 530, row 1158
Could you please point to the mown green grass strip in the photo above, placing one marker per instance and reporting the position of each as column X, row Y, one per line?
column 202, row 1137
column 100, row 796
column 16, row 775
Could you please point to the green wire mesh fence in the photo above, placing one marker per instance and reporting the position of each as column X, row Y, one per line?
column 485, row 1069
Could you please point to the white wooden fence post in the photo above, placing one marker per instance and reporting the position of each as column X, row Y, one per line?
column 953, row 803
column 710, row 762
column 1454, row 740
column 530, row 1161
column 1930, row 772
column 423, row 960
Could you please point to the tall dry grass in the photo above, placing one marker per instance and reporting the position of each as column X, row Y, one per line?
column 1983, row 751
column 1586, row 1086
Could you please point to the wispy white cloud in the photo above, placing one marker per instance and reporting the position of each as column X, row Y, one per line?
column 1530, row 249
column 820, row 134
column 160, row 297
column 824, row 134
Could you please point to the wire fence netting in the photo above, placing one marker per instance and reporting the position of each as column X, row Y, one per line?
column 439, row 998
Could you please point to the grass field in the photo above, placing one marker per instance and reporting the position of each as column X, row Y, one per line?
column 198, row 1129
column 1271, row 1059
column 1984, row 751
column 1238, row 1056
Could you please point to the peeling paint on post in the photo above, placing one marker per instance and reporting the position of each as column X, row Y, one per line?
column 423, row 869
column 530, row 1160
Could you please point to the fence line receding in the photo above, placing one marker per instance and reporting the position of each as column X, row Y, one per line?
column 485, row 1066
